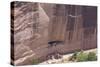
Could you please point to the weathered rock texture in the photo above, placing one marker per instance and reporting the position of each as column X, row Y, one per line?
column 33, row 25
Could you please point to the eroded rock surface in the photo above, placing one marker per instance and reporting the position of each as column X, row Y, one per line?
column 33, row 25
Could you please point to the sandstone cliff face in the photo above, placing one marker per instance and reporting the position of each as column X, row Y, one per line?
column 30, row 30
column 33, row 25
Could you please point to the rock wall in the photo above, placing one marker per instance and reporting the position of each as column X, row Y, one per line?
column 29, row 31
column 33, row 25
